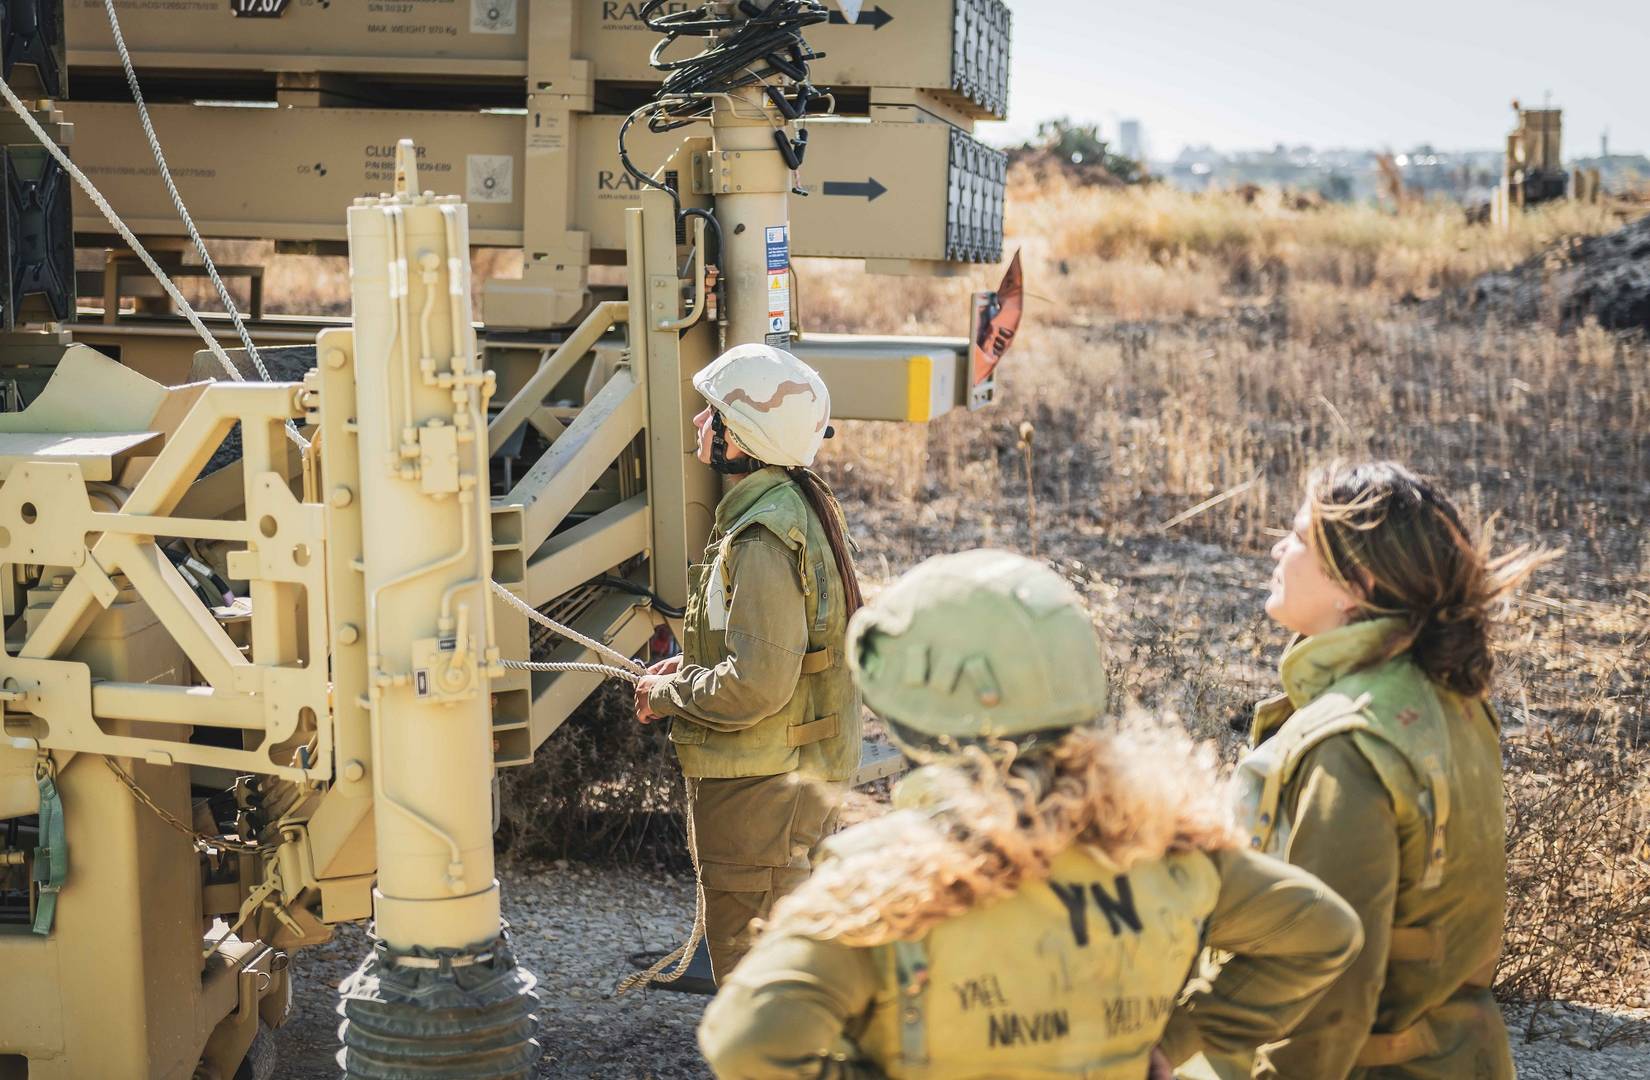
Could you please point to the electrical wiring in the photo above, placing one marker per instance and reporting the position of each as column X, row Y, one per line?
column 758, row 46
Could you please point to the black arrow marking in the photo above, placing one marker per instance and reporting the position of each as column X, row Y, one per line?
column 870, row 191
column 875, row 18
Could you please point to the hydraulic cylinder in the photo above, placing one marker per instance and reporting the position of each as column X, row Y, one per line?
column 440, row 994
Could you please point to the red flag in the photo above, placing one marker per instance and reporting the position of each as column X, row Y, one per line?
column 996, row 320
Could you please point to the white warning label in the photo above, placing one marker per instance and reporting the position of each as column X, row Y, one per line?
column 491, row 178
column 779, row 302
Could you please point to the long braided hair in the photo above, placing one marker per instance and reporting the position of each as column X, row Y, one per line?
column 835, row 523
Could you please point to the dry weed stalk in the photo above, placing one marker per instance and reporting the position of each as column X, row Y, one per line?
column 1028, row 433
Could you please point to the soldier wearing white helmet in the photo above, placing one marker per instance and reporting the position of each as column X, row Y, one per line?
column 763, row 712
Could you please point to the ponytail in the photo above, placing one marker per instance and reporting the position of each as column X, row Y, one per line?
column 832, row 520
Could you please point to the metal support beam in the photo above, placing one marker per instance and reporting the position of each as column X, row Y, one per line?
column 614, row 619
column 554, row 369
column 588, row 549
column 566, row 472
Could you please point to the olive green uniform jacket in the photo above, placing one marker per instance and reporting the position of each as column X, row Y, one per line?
column 764, row 687
column 1388, row 787
column 1076, row 976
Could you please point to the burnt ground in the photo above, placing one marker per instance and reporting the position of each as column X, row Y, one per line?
column 1606, row 278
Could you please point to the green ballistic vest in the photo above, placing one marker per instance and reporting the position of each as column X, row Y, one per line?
column 1075, row 976
column 819, row 730
column 1438, row 756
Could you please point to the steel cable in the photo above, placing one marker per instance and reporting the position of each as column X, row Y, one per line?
column 183, row 211
column 131, row 240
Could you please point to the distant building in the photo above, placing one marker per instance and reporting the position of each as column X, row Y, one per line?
column 1131, row 140
column 1342, row 174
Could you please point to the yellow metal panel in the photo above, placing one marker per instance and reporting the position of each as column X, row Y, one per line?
column 94, row 453
column 866, row 374
column 919, row 397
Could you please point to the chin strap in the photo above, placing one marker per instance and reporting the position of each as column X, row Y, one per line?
column 719, row 451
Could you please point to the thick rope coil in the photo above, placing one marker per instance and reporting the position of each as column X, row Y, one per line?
column 682, row 955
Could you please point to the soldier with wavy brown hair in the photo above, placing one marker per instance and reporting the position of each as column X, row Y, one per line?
column 1379, row 770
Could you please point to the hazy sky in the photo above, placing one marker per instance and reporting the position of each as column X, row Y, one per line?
column 1395, row 73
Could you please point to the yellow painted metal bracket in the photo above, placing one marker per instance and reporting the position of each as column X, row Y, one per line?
column 278, row 694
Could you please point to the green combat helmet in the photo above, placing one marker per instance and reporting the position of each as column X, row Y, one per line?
column 978, row 645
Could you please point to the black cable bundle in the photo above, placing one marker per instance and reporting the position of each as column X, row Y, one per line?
column 765, row 44
column 750, row 49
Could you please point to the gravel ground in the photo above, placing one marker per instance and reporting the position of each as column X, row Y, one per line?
column 575, row 926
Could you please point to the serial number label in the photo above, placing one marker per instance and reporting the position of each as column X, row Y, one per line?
column 257, row 9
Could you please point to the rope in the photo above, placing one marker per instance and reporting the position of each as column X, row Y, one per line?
column 188, row 221
column 199, row 839
column 571, row 634
column 593, row 669
column 631, row 672
column 177, row 200
column 682, row 955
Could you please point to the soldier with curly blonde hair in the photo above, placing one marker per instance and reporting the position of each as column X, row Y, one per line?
column 1033, row 904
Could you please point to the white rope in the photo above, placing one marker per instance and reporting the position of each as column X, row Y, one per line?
column 682, row 955
column 631, row 672
column 592, row 669
column 568, row 632
column 189, row 222
column 177, row 200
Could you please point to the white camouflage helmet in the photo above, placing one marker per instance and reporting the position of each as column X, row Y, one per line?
column 774, row 406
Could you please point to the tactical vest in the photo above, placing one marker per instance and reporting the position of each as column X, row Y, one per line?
column 818, row 731
column 1429, row 748
column 1076, row 976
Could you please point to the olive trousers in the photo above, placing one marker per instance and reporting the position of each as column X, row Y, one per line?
column 755, row 838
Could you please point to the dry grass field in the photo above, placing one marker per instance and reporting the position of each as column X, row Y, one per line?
column 1185, row 351
column 1200, row 354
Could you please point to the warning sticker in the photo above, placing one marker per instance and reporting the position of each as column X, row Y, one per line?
column 779, row 302
column 779, row 247
column 490, row 178
column 492, row 16
column 778, row 239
